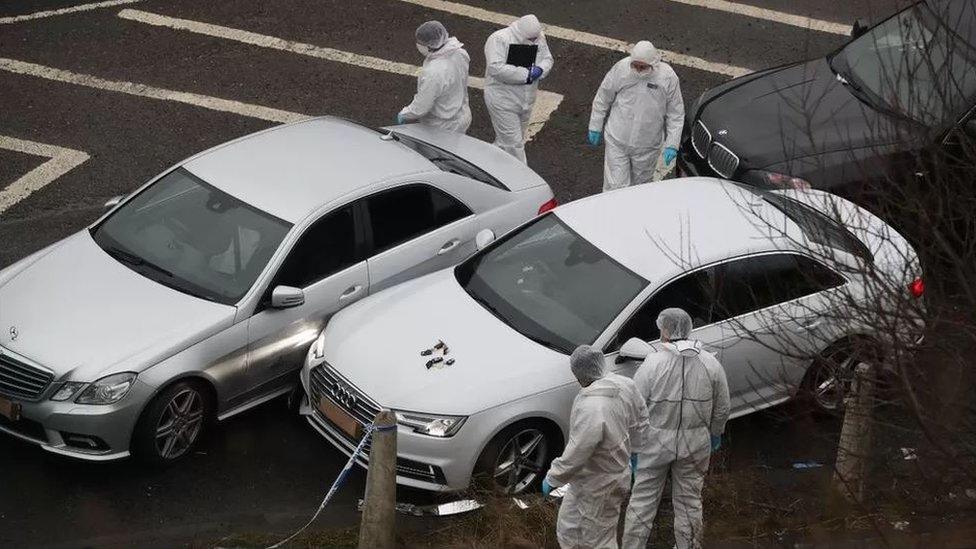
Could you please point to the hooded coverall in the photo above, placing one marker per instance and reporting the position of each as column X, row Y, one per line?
column 507, row 95
column 687, row 397
column 646, row 113
column 441, row 100
column 608, row 422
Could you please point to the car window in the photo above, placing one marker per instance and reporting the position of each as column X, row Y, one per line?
column 550, row 284
column 695, row 293
column 188, row 235
column 817, row 226
column 448, row 162
column 326, row 247
column 753, row 283
column 400, row 214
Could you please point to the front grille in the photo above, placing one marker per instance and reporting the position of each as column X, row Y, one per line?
column 21, row 380
column 325, row 382
column 722, row 160
column 701, row 139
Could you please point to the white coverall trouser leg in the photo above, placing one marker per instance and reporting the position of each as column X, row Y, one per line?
column 624, row 166
column 510, row 124
column 687, row 480
column 587, row 522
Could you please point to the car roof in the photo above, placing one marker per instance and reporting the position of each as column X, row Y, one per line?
column 659, row 230
column 292, row 170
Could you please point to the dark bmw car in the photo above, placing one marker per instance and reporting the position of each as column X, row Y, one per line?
column 895, row 94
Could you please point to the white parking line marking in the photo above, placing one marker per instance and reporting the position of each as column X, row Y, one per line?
column 546, row 103
column 770, row 15
column 65, row 11
column 142, row 90
column 62, row 160
column 580, row 36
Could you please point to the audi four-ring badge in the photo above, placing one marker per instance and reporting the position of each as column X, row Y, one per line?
column 198, row 295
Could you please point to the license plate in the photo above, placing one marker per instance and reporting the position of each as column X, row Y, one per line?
column 9, row 410
column 340, row 418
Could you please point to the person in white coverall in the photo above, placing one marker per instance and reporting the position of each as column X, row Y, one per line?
column 638, row 111
column 441, row 100
column 687, row 397
column 510, row 90
column 608, row 422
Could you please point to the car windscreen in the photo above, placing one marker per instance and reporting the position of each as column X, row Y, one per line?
column 550, row 284
column 914, row 64
column 817, row 226
column 448, row 162
column 190, row 236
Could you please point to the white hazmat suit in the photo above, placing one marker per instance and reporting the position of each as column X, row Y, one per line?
column 441, row 100
column 607, row 423
column 646, row 113
column 687, row 397
column 509, row 95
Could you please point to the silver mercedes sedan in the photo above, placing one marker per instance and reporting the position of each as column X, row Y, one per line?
column 198, row 296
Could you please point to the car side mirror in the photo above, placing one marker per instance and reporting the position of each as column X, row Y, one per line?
column 114, row 201
column 286, row 297
column 484, row 238
column 859, row 27
column 634, row 349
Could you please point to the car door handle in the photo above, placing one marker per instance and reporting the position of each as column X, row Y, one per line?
column 448, row 246
column 351, row 292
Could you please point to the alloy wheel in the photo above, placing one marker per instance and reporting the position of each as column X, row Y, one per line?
column 521, row 461
column 180, row 424
column 831, row 384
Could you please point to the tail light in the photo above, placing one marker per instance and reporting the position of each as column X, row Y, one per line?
column 917, row 287
column 548, row 206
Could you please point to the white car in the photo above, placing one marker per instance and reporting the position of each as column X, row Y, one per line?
column 474, row 359
column 198, row 296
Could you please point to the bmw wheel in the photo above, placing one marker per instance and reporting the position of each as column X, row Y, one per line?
column 828, row 382
column 173, row 423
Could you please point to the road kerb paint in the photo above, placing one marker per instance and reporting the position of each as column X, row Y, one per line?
column 65, row 11
column 581, row 37
column 62, row 160
column 546, row 103
column 143, row 90
column 770, row 15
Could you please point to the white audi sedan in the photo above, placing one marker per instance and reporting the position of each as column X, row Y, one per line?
column 198, row 296
column 474, row 362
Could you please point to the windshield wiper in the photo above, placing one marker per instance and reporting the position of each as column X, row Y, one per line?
column 136, row 261
column 545, row 343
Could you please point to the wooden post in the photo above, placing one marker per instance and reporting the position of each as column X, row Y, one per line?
column 855, row 436
column 377, row 530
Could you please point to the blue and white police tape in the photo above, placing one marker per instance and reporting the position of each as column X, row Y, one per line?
column 339, row 481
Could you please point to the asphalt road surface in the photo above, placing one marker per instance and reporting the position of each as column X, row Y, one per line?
column 88, row 111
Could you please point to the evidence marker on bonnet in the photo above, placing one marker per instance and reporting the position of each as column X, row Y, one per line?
column 441, row 350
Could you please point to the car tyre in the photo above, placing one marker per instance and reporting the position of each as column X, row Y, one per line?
column 828, row 381
column 517, row 459
column 173, row 423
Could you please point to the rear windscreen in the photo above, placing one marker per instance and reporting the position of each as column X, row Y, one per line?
column 448, row 162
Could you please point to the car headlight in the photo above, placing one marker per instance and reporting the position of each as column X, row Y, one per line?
column 318, row 348
column 67, row 390
column 429, row 424
column 775, row 180
column 108, row 390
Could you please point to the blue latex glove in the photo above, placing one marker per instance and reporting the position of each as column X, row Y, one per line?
column 593, row 137
column 546, row 488
column 401, row 119
column 716, row 442
column 670, row 154
column 534, row 74
column 633, row 468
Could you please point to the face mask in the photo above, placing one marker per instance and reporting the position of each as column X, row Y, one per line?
column 424, row 50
